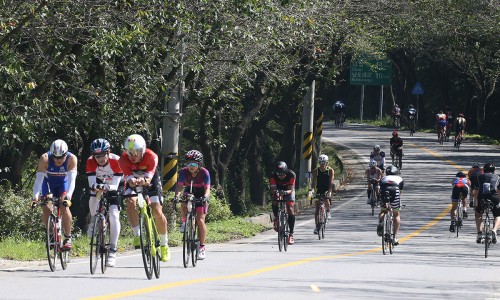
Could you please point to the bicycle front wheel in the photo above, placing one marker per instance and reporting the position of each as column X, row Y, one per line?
column 281, row 232
column 286, row 231
column 487, row 235
column 64, row 258
column 147, row 257
column 194, row 242
column 459, row 218
column 186, row 244
column 105, row 241
column 156, row 244
column 95, row 244
column 51, row 242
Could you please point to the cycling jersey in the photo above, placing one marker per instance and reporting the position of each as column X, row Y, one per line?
column 56, row 178
column 379, row 158
column 390, row 189
column 285, row 184
column 412, row 113
column 323, row 180
column 396, row 142
column 441, row 119
column 488, row 189
column 110, row 174
column 473, row 176
column 374, row 173
column 201, row 181
column 396, row 111
column 460, row 185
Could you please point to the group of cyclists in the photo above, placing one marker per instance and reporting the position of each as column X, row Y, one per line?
column 119, row 175
column 445, row 123
column 410, row 116
column 479, row 184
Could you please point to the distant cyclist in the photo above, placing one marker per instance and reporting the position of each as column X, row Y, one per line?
column 322, row 182
column 396, row 143
column 373, row 177
column 194, row 173
column 339, row 111
column 460, row 185
column 489, row 183
column 449, row 119
column 104, row 174
column 391, row 187
column 283, row 179
column 56, row 176
column 441, row 123
column 459, row 127
column 411, row 116
column 396, row 113
column 378, row 156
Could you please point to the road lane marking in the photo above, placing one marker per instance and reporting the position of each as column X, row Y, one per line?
column 261, row 270
column 315, row 288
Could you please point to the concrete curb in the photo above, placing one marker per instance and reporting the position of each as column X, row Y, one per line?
column 345, row 157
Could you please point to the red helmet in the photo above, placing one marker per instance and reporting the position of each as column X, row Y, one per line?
column 394, row 133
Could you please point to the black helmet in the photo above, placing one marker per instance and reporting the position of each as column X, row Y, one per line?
column 460, row 174
column 489, row 167
column 391, row 170
column 280, row 168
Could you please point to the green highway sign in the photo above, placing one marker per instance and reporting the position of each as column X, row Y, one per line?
column 370, row 72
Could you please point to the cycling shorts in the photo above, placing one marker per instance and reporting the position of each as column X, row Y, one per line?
column 441, row 123
column 391, row 194
column 154, row 190
column 455, row 193
column 494, row 198
column 474, row 182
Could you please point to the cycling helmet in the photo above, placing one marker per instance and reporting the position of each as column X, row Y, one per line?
column 59, row 148
column 395, row 105
column 99, row 146
column 376, row 148
column 395, row 133
column 411, row 106
column 135, row 144
column 373, row 164
column 391, row 170
column 194, row 155
column 280, row 168
column 460, row 174
column 323, row 158
column 461, row 115
column 489, row 167
column 475, row 165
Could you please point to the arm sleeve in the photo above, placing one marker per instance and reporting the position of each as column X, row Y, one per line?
column 71, row 179
column 37, row 188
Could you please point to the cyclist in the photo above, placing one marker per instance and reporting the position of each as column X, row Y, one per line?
column 56, row 176
column 373, row 176
column 396, row 143
column 459, row 127
column 391, row 187
column 200, row 178
column 104, row 174
column 338, row 110
column 441, row 123
column 489, row 183
column 473, row 175
column 378, row 156
column 322, row 181
column 139, row 165
column 460, row 184
column 411, row 115
column 283, row 179
column 449, row 119
column 396, row 113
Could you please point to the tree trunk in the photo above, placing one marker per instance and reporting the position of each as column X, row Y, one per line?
column 256, row 173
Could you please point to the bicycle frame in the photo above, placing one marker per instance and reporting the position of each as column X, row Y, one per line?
column 321, row 220
column 388, row 236
column 190, row 239
column 487, row 226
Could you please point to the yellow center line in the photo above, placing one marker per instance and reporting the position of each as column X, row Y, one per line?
column 281, row 266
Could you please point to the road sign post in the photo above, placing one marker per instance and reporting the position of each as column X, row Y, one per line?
column 417, row 90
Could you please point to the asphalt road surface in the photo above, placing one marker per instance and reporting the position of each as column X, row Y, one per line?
column 429, row 263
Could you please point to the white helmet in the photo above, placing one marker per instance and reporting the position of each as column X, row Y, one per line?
column 323, row 158
column 373, row 163
column 59, row 148
column 135, row 144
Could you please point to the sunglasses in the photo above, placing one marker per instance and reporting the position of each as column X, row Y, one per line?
column 280, row 174
column 60, row 157
column 193, row 164
column 97, row 156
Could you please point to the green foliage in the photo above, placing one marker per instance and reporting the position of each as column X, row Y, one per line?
column 218, row 210
column 18, row 219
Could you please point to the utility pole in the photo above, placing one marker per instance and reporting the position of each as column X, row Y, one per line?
column 307, row 136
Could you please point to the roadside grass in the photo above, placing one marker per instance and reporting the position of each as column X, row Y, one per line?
column 23, row 249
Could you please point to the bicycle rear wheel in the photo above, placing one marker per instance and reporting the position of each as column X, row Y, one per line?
column 147, row 257
column 373, row 201
column 95, row 244
column 51, row 242
column 195, row 242
column 487, row 235
column 186, row 243
column 321, row 221
column 459, row 216
column 391, row 234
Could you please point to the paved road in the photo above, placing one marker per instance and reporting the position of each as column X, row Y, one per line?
column 430, row 262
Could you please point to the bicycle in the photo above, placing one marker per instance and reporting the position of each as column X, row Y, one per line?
column 441, row 134
column 458, row 141
column 190, row 239
column 283, row 230
column 448, row 132
column 412, row 125
column 397, row 121
column 487, row 205
column 374, row 199
column 54, row 240
column 99, row 242
column 321, row 220
column 148, row 233
column 388, row 235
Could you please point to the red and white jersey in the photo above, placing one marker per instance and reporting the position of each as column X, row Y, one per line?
column 145, row 168
column 109, row 174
